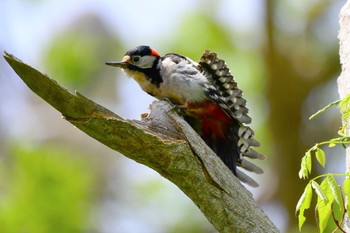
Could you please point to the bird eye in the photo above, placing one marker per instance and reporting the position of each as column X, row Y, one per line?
column 135, row 59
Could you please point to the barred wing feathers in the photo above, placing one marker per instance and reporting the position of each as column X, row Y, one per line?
column 224, row 90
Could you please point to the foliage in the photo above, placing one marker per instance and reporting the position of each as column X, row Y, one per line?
column 330, row 196
column 76, row 54
column 49, row 191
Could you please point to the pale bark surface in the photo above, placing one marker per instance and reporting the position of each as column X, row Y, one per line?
column 344, row 78
column 164, row 142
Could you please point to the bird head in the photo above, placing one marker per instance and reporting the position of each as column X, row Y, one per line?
column 137, row 59
column 143, row 65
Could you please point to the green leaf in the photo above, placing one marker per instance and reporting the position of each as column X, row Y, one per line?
column 327, row 190
column 305, row 167
column 335, row 191
column 324, row 206
column 319, row 191
column 347, row 194
column 320, row 156
column 301, row 219
column 305, row 199
column 308, row 161
column 324, row 212
column 303, row 170
column 304, row 204
column 331, row 144
column 344, row 106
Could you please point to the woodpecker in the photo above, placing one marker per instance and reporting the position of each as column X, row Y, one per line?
column 212, row 102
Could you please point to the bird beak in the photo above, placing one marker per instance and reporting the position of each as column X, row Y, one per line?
column 122, row 64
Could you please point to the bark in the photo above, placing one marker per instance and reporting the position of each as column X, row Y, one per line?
column 164, row 142
column 344, row 78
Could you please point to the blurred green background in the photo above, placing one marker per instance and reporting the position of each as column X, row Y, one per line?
column 53, row 178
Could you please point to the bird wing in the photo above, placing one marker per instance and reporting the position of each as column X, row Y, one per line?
column 223, row 89
column 218, row 74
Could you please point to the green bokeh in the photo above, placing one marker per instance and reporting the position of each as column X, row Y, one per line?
column 45, row 190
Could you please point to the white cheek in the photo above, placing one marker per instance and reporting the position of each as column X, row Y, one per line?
column 146, row 62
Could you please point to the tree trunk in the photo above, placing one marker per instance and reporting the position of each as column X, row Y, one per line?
column 344, row 78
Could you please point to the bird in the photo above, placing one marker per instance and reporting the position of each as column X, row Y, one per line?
column 207, row 93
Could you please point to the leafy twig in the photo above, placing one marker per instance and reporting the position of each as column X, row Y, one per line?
column 324, row 109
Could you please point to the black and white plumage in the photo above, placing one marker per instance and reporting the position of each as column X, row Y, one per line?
column 213, row 104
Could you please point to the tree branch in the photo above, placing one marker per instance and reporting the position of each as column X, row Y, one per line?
column 164, row 142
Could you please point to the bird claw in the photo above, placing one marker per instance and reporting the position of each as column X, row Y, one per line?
column 166, row 99
column 179, row 109
column 174, row 107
